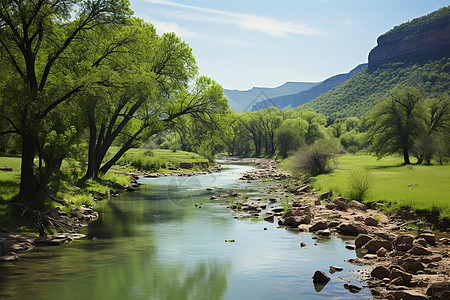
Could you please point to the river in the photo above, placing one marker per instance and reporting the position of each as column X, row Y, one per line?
column 155, row 244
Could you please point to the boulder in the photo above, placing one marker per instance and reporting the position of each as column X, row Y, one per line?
column 375, row 244
column 324, row 196
column 269, row 218
column 357, row 205
column 330, row 206
column 10, row 257
column 413, row 295
column 320, row 277
column 387, row 236
column 445, row 241
column 351, row 229
column 320, row 225
column 369, row 221
column 302, row 189
column 420, row 250
column 412, row 265
column 335, row 269
column 296, row 220
column 382, row 252
column 325, row 232
column 352, row 288
column 404, row 242
column 437, row 288
column 395, row 273
column 303, row 244
column 421, row 242
column 429, row 237
column 361, row 240
column 380, row 272
column 333, row 224
column 341, row 203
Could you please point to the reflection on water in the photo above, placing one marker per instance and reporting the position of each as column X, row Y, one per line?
column 155, row 244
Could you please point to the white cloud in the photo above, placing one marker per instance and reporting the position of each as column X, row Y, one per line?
column 350, row 23
column 162, row 27
column 263, row 24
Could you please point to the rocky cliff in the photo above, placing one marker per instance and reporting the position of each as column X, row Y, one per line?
column 423, row 37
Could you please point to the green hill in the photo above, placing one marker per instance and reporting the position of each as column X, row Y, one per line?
column 359, row 94
column 416, row 53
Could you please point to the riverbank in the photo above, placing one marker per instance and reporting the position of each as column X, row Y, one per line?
column 400, row 265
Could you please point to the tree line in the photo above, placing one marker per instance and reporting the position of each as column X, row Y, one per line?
column 407, row 121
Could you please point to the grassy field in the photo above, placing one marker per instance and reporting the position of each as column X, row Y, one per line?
column 416, row 186
column 9, row 181
column 157, row 160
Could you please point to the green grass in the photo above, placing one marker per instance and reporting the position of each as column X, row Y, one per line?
column 419, row 187
column 9, row 181
column 157, row 160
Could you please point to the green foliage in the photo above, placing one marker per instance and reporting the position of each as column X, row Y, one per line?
column 416, row 26
column 315, row 159
column 143, row 162
column 409, row 123
column 359, row 181
column 270, row 131
column 358, row 95
column 395, row 122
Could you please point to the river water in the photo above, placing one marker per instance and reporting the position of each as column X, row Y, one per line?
column 155, row 244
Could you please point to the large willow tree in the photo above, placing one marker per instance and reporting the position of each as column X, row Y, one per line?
column 35, row 38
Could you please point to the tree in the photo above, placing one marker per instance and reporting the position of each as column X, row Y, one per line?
column 396, row 123
column 436, row 119
column 290, row 135
column 34, row 38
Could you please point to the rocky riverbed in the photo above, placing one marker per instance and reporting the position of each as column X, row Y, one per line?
column 400, row 265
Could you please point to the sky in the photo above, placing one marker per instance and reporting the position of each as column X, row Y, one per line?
column 246, row 43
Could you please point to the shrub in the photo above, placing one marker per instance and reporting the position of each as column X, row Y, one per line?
column 352, row 149
column 315, row 159
column 358, row 182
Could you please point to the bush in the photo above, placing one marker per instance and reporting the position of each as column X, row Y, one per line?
column 358, row 182
column 352, row 149
column 315, row 159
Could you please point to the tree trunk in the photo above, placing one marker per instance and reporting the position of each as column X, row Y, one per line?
column 28, row 185
column 406, row 156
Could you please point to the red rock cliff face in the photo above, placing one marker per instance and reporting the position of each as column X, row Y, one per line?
column 431, row 40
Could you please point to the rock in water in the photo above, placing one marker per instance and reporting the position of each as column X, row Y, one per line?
column 352, row 288
column 320, row 277
column 335, row 269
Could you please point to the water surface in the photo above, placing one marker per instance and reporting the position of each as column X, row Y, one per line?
column 155, row 244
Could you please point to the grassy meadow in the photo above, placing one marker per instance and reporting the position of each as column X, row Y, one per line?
column 156, row 160
column 419, row 187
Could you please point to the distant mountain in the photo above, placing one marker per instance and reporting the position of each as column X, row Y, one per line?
column 242, row 101
column 416, row 54
column 291, row 101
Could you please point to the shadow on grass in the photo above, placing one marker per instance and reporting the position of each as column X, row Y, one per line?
column 8, row 189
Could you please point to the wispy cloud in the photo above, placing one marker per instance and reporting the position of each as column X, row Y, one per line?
column 251, row 22
column 350, row 23
column 162, row 27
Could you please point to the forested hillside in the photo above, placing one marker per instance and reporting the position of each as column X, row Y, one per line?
column 413, row 54
column 358, row 95
column 291, row 101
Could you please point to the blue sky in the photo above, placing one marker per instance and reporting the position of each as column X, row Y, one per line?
column 247, row 43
